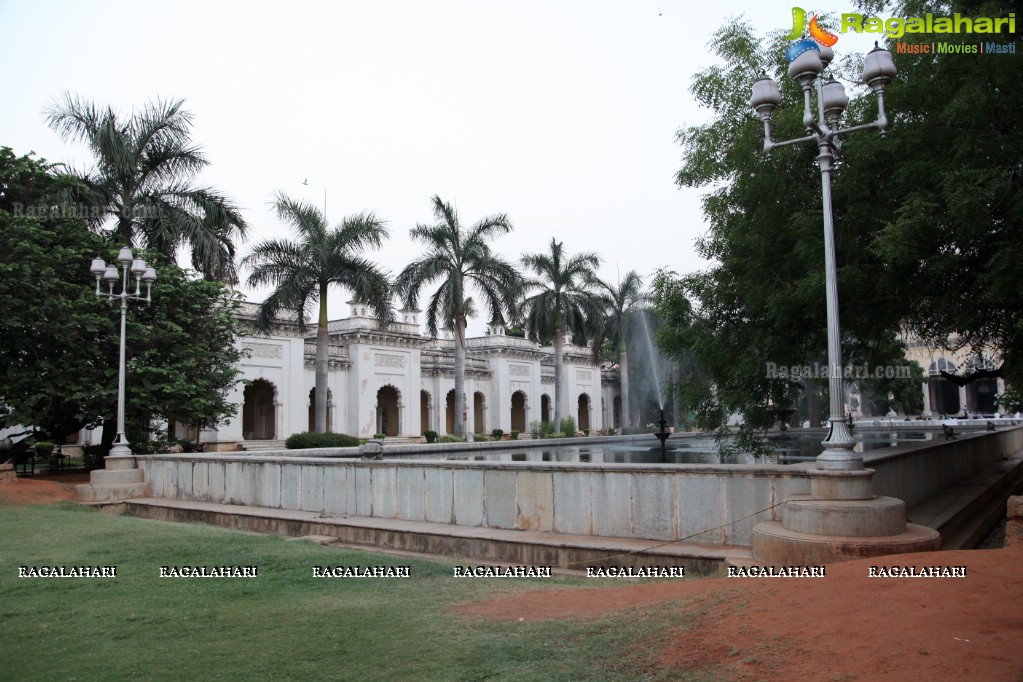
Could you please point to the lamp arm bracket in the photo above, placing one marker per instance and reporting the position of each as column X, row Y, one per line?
column 786, row 143
column 864, row 126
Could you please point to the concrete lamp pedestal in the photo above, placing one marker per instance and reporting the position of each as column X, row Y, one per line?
column 841, row 519
column 120, row 479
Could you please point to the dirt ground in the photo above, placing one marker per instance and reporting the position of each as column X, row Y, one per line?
column 842, row 627
column 37, row 491
column 845, row 626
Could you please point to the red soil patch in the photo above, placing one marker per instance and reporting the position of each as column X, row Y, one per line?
column 30, row 491
column 845, row 626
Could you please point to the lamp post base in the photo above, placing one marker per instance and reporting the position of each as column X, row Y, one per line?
column 841, row 519
column 838, row 452
column 120, row 479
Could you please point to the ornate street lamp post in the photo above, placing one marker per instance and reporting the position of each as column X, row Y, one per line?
column 807, row 63
column 143, row 273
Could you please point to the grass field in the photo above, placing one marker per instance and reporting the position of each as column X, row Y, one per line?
column 284, row 624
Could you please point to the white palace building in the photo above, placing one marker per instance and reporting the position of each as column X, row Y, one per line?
column 396, row 381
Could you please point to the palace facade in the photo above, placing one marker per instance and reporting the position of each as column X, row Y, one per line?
column 393, row 380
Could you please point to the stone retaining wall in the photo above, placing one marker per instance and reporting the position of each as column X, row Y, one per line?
column 700, row 503
column 916, row 472
column 711, row 504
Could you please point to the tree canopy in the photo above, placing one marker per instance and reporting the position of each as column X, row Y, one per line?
column 59, row 341
column 922, row 224
column 950, row 202
column 143, row 180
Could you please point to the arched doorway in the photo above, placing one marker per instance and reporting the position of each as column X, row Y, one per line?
column 258, row 412
column 312, row 410
column 424, row 411
column 943, row 393
column 583, row 419
column 981, row 393
column 388, row 422
column 478, row 413
column 545, row 408
column 518, row 411
column 449, row 412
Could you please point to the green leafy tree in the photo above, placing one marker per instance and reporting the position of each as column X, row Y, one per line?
column 143, row 182
column 618, row 302
column 460, row 259
column 60, row 359
column 184, row 361
column 562, row 302
column 762, row 303
column 303, row 270
column 952, row 199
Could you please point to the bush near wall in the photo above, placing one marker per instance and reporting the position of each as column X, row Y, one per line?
column 311, row 439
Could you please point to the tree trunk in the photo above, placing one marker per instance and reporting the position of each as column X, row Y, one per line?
column 322, row 339
column 460, row 323
column 674, row 397
column 623, row 368
column 108, row 433
column 559, row 358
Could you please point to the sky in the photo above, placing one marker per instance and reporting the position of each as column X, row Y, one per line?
column 561, row 114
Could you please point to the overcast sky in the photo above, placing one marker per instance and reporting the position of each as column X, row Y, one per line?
column 560, row 114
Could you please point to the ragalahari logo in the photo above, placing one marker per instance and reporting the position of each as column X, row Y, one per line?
column 818, row 34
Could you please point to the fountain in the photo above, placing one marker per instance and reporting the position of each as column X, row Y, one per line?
column 662, row 433
column 653, row 362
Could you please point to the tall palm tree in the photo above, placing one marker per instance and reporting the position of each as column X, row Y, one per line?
column 563, row 303
column 303, row 270
column 460, row 259
column 143, row 181
column 617, row 302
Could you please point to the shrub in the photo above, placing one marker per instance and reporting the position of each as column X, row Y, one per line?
column 379, row 436
column 431, row 436
column 92, row 456
column 514, row 434
column 535, row 428
column 44, row 448
column 480, row 437
column 547, row 429
column 567, row 426
column 311, row 439
column 497, row 434
column 448, row 438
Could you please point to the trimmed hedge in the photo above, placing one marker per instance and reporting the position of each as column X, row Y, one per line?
column 311, row 439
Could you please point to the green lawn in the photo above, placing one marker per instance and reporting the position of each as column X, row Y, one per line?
column 282, row 625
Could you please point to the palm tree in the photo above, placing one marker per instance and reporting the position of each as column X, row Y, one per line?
column 617, row 302
column 303, row 270
column 562, row 303
column 143, row 180
column 461, row 259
